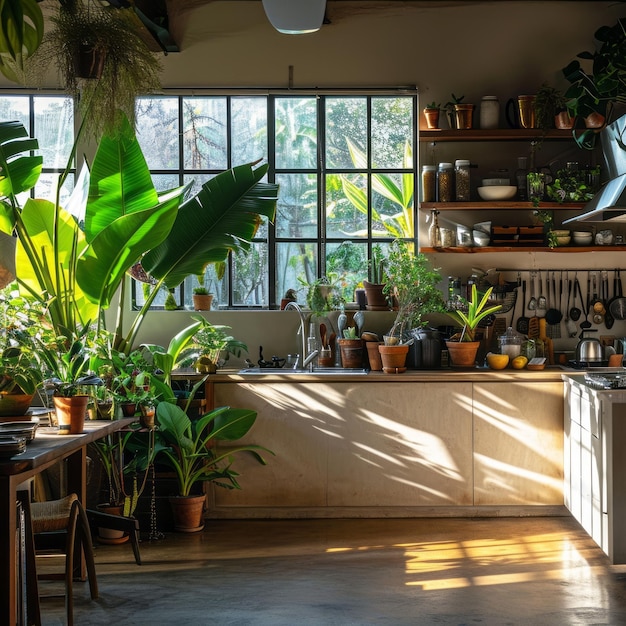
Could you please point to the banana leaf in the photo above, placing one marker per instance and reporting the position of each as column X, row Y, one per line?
column 20, row 170
column 223, row 216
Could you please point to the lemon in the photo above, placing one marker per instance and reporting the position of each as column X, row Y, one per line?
column 519, row 362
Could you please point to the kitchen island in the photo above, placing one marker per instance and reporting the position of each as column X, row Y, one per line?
column 423, row 443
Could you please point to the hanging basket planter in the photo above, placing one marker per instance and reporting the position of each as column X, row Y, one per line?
column 89, row 62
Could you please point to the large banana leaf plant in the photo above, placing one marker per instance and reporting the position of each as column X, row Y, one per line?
column 77, row 272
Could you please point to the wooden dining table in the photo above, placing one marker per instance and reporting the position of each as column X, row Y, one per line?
column 45, row 450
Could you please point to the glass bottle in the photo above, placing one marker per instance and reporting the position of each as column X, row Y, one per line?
column 520, row 176
column 434, row 232
column 462, row 180
column 444, row 182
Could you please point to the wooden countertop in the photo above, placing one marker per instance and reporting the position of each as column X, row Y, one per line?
column 549, row 374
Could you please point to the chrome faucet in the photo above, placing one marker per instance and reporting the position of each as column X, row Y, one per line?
column 307, row 359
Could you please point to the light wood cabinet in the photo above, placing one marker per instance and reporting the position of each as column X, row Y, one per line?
column 397, row 448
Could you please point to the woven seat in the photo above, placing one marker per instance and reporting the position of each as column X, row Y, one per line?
column 62, row 525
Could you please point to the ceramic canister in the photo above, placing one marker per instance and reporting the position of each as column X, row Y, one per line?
column 489, row 112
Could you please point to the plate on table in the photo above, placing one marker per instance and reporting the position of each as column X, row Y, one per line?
column 19, row 429
column 11, row 446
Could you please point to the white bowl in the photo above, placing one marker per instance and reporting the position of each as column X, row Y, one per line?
column 561, row 233
column 564, row 240
column 582, row 238
column 497, row 192
column 490, row 182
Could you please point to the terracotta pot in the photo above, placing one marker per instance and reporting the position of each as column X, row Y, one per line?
column 202, row 302
column 187, row 512
column 14, row 403
column 463, row 353
column 393, row 358
column 128, row 408
column 110, row 535
column 373, row 354
column 464, row 115
column 71, row 413
column 563, row 120
column 595, row 120
column 432, row 118
column 374, row 296
column 351, row 352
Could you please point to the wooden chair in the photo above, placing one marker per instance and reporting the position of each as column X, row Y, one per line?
column 61, row 526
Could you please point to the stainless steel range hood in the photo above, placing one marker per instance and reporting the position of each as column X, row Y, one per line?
column 609, row 204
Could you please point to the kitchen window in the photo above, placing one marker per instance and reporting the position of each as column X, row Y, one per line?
column 346, row 167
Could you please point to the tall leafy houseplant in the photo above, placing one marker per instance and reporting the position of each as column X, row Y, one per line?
column 77, row 273
column 477, row 311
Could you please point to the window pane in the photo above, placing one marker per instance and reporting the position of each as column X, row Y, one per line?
column 296, row 267
column 296, row 212
column 392, row 217
column 296, row 133
column 46, row 188
column 346, row 205
column 249, row 130
column 54, row 128
column 346, row 266
column 15, row 108
column 215, row 286
column 250, row 277
column 346, row 119
column 204, row 133
column 392, row 127
column 158, row 130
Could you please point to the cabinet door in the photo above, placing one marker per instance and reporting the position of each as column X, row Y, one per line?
column 518, row 443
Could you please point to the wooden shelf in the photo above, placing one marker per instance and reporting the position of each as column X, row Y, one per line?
column 481, row 206
column 520, row 248
column 500, row 134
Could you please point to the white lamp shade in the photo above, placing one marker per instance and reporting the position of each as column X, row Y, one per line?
column 295, row 17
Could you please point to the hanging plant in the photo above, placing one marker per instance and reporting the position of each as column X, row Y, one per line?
column 102, row 61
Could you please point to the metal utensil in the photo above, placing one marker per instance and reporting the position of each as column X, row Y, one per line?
column 532, row 303
column 575, row 311
column 358, row 320
column 540, row 311
column 586, row 323
column 522, row 322
column 618, row 306
column 553, row 315
column 569, row 322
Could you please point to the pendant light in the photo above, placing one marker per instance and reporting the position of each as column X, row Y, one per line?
column 295, row 17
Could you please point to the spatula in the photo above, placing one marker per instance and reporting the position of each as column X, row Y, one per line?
column 541, row 300
column 522, row 322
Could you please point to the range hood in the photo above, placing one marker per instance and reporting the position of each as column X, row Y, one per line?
column 609, row 204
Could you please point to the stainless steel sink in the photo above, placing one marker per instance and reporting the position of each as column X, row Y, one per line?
column 317, row 371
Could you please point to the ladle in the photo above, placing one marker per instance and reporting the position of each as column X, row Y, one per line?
column 586, row 324
column 532, row 303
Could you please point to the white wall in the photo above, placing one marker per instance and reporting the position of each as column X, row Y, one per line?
column 467, row 48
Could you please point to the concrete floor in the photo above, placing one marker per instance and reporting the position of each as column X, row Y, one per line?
column 529, row 571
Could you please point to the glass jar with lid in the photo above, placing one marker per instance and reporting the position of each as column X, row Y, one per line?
column 510, row 343
column 429, row 183
column 462, row 180
column 445, row 176
column 489, row 112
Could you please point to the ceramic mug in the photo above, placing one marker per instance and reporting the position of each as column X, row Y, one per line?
column 520, row 112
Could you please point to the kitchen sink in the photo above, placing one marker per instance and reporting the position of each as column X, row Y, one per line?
column 318, row 371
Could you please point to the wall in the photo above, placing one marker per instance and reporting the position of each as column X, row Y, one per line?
column 467, row 48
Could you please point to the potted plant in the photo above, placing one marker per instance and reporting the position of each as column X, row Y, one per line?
column 594, row 91
column 413, row 284
column 463, row 346
column 202, row 299
column 20, row 365
column 210, row 346
column 101, row 57
column 431, row 114
column 551, row 109
column 190, row 449
column 460, row 114
column 375, row 299
column 351, row 348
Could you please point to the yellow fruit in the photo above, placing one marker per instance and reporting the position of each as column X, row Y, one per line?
column 519, row 362
column 497, row 361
